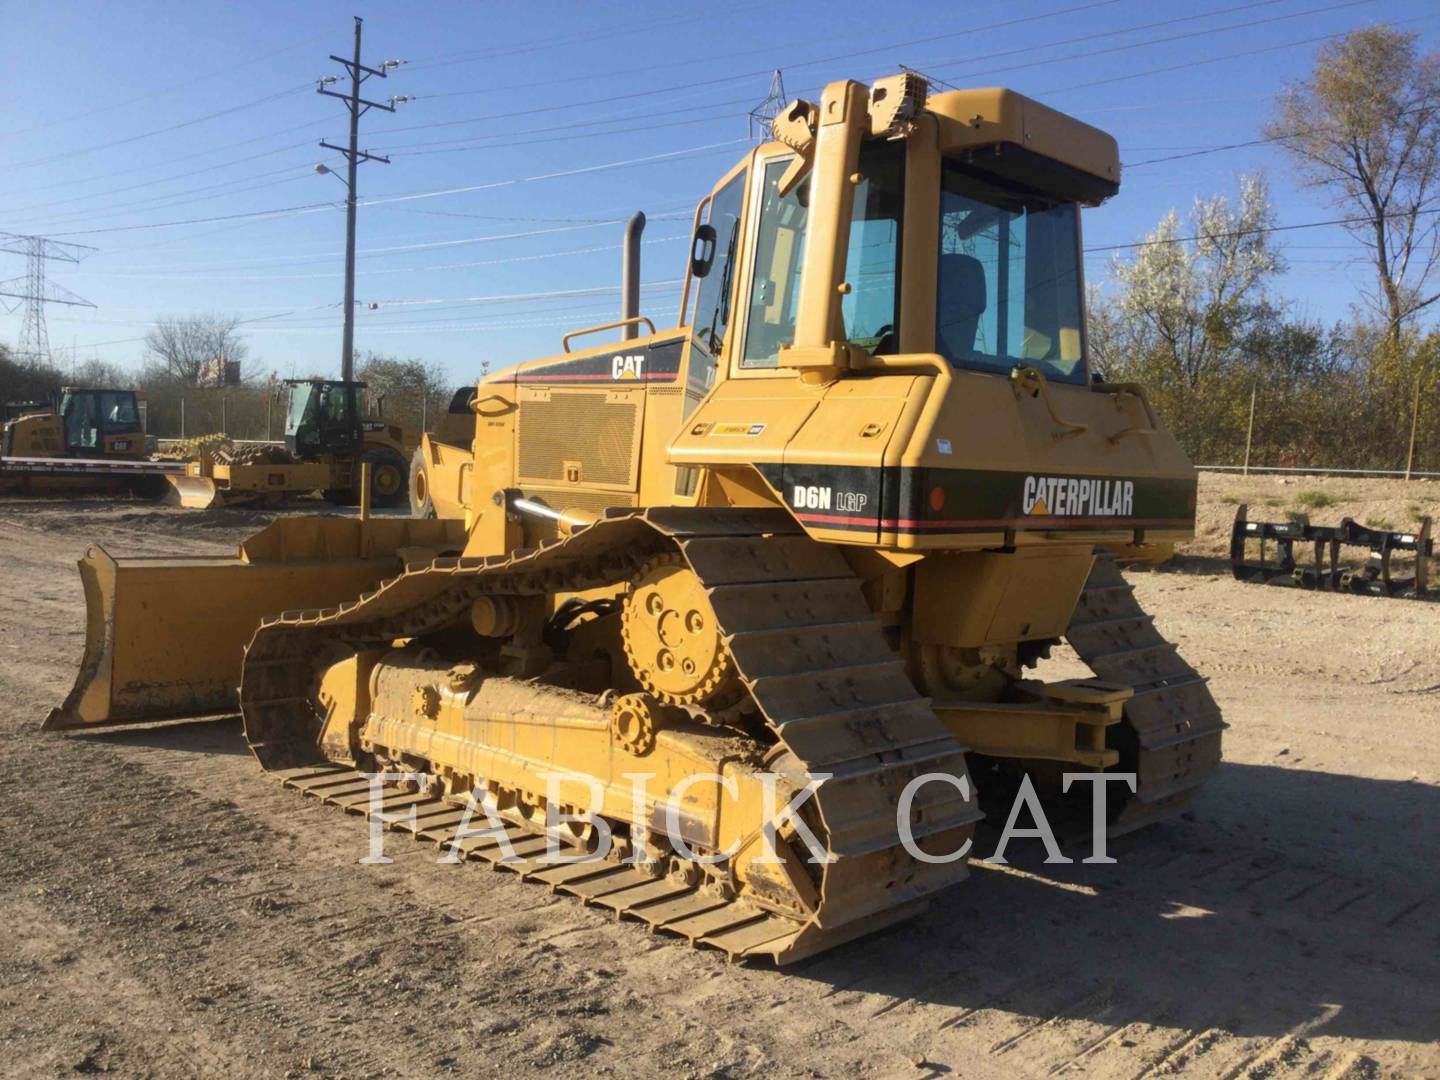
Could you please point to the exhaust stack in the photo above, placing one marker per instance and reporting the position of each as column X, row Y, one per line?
column 630, row 274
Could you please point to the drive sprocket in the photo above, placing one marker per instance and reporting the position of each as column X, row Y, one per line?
column 672, row 637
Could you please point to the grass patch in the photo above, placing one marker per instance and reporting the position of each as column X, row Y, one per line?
column 1384, row 524
column 1274, row 502
column 1297, row 517
column 1230, row 500
column 1416, row 511
column 1314, row 500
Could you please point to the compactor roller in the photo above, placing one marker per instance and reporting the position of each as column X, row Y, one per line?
column 741, row 616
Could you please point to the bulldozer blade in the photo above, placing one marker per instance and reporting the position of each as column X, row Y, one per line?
column 165, row 635
column 194, row 492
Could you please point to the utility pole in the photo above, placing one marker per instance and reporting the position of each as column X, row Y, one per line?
column 35, row 291
column 358, row 106
column 1249, row 431
column 1414, row 423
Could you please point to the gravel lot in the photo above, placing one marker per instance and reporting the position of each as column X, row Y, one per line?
column 172, row 912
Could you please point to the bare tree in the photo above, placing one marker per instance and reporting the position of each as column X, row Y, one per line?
column 1365, row 127
column 183, row 345
column 100, row 373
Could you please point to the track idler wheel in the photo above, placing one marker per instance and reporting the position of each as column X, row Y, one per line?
column 672, row 637
column 634, row 720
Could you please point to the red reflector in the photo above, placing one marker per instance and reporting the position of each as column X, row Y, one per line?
column 937, row 498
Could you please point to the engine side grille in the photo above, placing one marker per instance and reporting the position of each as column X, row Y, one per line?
column 579, row 426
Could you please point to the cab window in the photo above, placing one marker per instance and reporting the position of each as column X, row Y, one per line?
column 712, row 300
column 872, row 260
column 336, row 403
column 1008, row 281
column 82, row 420
column 117, row 411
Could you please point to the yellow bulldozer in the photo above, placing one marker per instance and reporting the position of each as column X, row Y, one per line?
column 777, row 577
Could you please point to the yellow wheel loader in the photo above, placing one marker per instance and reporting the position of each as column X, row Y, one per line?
column 327, row 441
column 765, row 583
column 440, row 466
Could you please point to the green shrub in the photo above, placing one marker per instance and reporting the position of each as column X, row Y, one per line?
column 1315, row 500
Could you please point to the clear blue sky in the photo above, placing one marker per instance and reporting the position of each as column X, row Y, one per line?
column 142, row 113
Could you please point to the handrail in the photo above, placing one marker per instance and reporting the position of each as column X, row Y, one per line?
column 477, row 401
column 1136, row 391
column 565, row 341
column 1025, row 379
column 934, row 362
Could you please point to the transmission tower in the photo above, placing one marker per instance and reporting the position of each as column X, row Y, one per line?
column 764, row 114
column 35, row 292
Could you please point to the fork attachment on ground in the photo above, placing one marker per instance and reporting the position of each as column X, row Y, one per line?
column 1275, row 546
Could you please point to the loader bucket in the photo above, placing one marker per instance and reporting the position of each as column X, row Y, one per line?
column 165, row 635
column 1319, row 563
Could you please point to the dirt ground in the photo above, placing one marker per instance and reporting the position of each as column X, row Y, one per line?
column 168, row 911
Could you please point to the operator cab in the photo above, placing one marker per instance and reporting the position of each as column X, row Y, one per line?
column 95, row 419
column 323, row 418
column 975, row 197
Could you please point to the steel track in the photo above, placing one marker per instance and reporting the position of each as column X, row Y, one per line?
column 833, row 692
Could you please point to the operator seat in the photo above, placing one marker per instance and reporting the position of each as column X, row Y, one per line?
column 961, row 303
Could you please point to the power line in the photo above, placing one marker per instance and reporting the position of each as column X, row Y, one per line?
column 581, row 170
column 514, row 297
column 825, row 60
column 124, row 102
column 1246, row 232
column 1259, row 3
column 1222, row 11
column 280, row 211
column 310, row 208
column 1214, row 60
column 66, row 155
column 1141, row 44
column 1200, row 151
column 762, row 72
column 449, row 146
column 238, row 186
column 178, row 198
column 391, row 270
column 183, row 157
column 241, row 185
column 162, row 180
column 587, row 37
